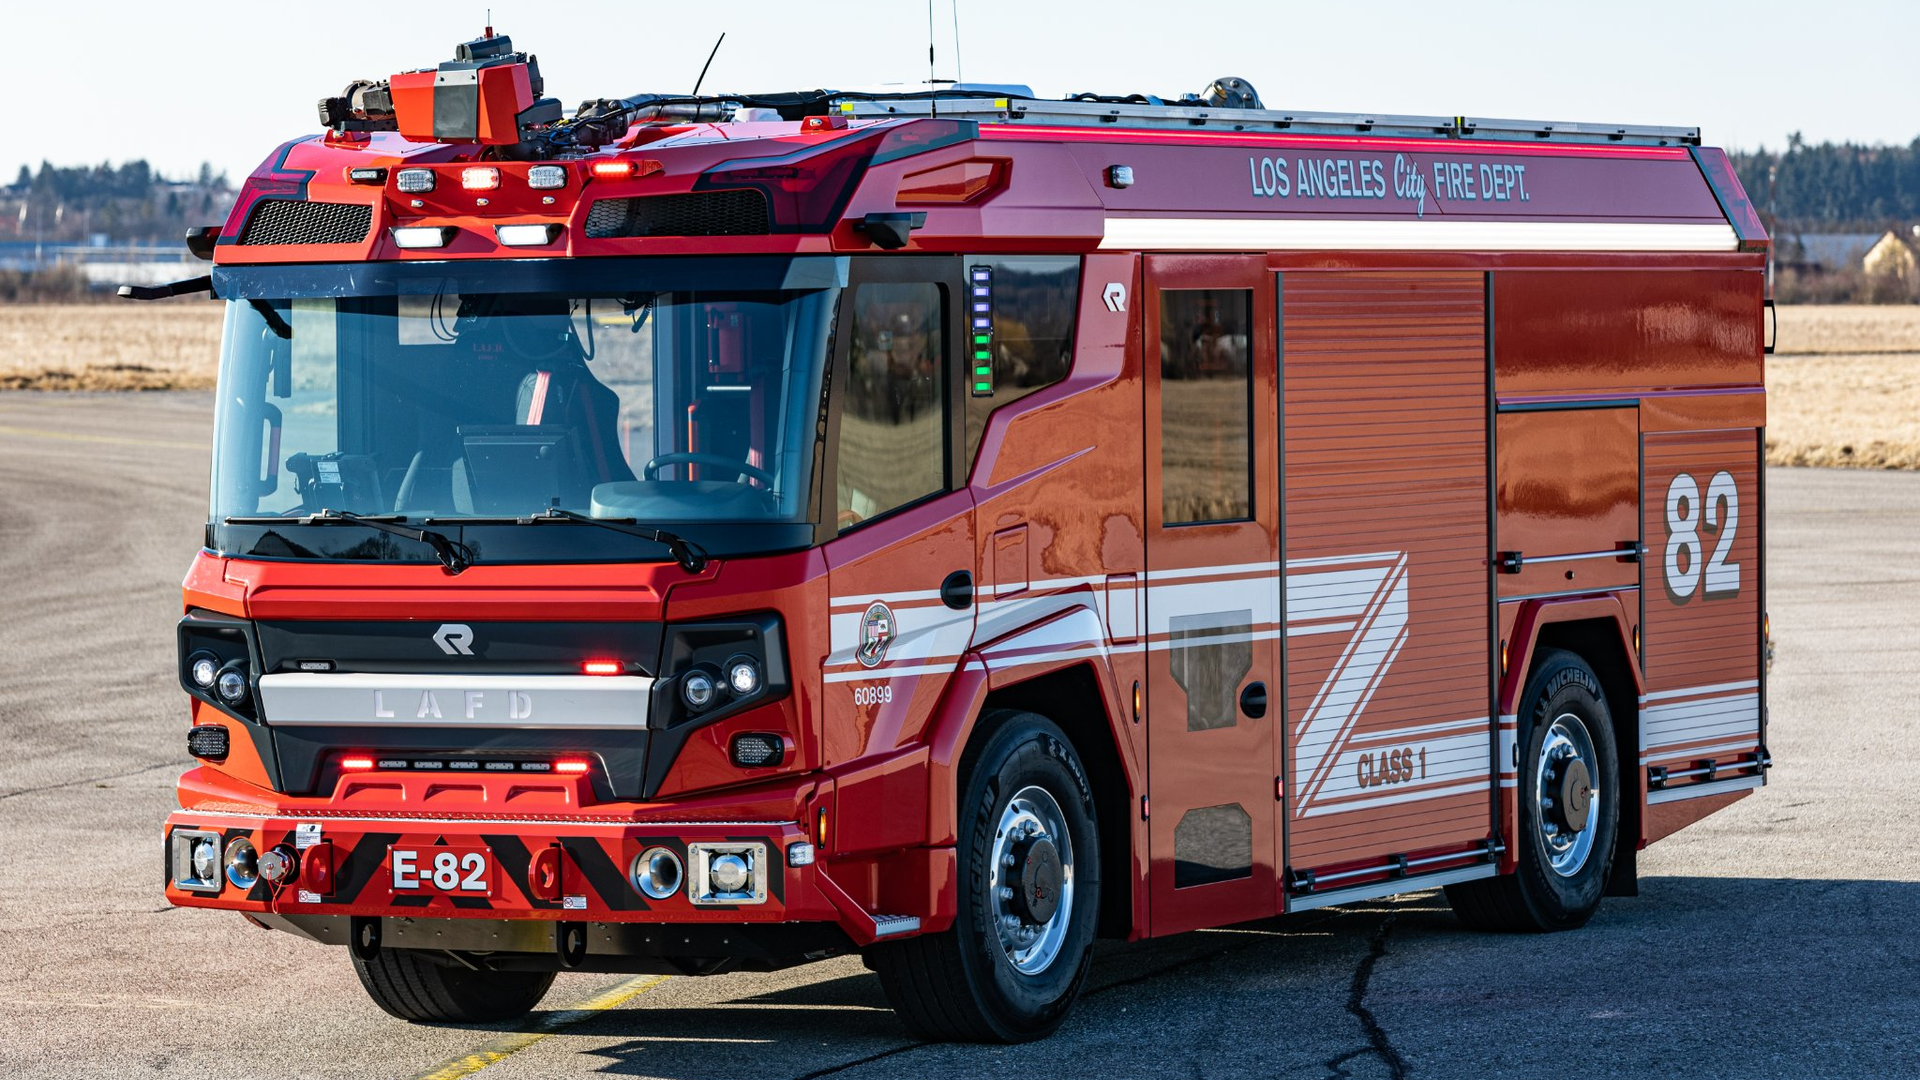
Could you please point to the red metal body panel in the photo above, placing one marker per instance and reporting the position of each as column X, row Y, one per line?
column 1386, row 551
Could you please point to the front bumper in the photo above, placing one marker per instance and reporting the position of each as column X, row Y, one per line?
column 345, row 869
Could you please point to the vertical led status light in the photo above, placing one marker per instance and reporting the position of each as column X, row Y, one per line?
column 980, row 302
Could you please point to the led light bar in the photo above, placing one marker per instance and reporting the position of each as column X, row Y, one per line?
column 535, row 235
column 480, row 178
column 365, row 175
column 422, row 236
column 980, row 340
column 414, row 181
column 546, row 177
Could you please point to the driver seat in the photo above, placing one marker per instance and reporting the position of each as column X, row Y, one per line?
column 570, row 397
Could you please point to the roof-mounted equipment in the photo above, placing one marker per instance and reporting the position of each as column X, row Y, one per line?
column 487, row 94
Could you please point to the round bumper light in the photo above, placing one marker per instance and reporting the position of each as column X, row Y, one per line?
column 206, row 859
column 743, row 675
column 697, row 688
column 231, row 685
column 280, row 865
column 657, row 873
column 728, row 874
column 203, row 670
column 243, row 863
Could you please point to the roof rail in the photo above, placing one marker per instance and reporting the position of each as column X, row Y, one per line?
column 1013, row 110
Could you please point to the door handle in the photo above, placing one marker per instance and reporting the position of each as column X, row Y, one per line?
column 957, row 591
column 1253, row 700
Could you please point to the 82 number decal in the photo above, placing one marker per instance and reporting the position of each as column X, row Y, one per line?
column 1689, row 567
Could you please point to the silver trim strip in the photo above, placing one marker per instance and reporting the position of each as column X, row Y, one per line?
column 1697, row 791
column 1375, row 890
column 617, row 702
column 1617, row 553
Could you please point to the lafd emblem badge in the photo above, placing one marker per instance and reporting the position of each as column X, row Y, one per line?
column 876, row 633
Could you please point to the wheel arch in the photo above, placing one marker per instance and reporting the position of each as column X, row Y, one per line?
column 1599, row 632
column 1071, row 698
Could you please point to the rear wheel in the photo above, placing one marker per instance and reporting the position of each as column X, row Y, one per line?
column 1022, row 938
column 1569, row 808
column 415, row 987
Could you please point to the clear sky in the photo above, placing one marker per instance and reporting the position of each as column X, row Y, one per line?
column 180, row 83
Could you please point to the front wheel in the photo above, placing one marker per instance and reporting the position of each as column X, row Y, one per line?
column 1022, row 937
column 413, row 987
column 1569, row 787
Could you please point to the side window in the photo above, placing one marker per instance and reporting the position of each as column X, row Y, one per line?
column 1020, row 315
column 1206, row 406
column 893, row 436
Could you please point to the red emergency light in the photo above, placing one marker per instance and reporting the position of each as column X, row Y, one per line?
column 356, row 764
column 570, row 766
column 602, row 667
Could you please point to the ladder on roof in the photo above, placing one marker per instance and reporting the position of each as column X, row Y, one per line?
column 1227, row 121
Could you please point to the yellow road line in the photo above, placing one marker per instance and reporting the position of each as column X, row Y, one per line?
column 508, row 1045
column 69, row 436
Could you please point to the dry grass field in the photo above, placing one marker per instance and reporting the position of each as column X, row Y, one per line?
column 168, row 345
column 1844, row 390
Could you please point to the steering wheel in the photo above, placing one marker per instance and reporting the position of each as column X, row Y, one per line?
column 740, row 468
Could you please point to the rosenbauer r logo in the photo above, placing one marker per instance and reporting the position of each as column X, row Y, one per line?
column 454, row 639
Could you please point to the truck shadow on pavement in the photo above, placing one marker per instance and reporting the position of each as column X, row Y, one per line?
column 1724, row 976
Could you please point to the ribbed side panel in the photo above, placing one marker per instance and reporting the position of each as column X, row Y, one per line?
column 1701, row 572
column 1384, row 382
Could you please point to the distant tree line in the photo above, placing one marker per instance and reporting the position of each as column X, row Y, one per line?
column 1833, row 187
column 128, row 202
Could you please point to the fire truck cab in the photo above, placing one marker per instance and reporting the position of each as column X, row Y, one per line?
column 703, row 534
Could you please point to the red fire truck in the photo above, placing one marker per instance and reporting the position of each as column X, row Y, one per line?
column 712, row 533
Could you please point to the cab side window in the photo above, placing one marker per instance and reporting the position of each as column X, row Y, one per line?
column 893, row 431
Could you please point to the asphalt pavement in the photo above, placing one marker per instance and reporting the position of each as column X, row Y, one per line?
column 1773, row 939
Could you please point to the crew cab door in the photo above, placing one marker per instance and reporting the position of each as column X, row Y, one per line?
column 901, row 521
column 1213, row 598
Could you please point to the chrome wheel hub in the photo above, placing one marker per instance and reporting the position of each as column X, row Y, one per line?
column 1564, row 791
column 1030, row 882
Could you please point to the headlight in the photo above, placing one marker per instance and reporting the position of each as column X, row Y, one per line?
column 697, row 689
column 231, row 684
column 202, row 669
column 243, row 863
column 743, row 675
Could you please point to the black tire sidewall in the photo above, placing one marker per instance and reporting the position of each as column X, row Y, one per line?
column 1024, row 750
column 1565, row 684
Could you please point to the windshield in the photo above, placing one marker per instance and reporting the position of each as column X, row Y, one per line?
column 459, row 399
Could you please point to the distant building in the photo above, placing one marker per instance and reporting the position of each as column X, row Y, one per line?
column 1823, row 253
column 1894, row 255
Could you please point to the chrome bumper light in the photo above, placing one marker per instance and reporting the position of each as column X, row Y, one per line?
column 731, row 873
column 195, row 860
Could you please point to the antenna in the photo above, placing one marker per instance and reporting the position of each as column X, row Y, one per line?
column 708, row 64
column 959, row 67
column 933, row 101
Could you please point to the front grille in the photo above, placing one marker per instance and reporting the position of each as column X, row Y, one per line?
column 700, row 213
column 291, row 221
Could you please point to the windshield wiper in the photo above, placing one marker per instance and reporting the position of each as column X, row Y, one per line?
column 453, row 554
column 691, row 556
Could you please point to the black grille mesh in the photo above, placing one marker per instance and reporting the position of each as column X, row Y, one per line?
column 700, row 213
column 290, row 221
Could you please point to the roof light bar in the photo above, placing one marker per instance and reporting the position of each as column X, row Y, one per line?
column 422, row 236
